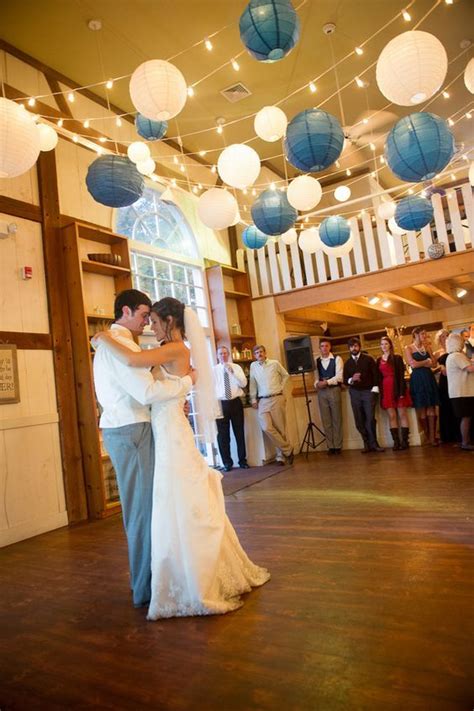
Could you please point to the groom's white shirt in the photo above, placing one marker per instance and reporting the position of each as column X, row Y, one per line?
column 125, row 394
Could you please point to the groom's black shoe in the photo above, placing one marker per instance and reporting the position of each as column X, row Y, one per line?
column 244, row 466
column 228, row 467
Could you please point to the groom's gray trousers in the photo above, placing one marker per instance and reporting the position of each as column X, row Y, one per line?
column 131, row 450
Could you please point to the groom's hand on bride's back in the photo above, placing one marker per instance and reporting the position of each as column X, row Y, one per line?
column 193, row 375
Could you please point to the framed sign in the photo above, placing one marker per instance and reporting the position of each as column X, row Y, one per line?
column 9, row 383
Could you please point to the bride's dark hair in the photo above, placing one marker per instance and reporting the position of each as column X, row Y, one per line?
column 170, row 307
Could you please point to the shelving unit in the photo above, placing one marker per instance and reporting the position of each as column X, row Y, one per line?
column 93, row 286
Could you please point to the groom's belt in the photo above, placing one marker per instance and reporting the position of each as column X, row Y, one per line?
column 263, row 397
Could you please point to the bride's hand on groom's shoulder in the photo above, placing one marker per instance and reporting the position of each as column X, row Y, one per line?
column 98, row 338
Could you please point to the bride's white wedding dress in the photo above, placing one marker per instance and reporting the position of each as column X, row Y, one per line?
column 198, row 565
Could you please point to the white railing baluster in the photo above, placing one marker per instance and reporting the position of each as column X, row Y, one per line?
column 440, row 224
column 468, row 200
column 252, row 272
column 295, row 260
column 388, row 259
column 369, row 243
column 413, row 250
column 456, row 226
column 333, row 268
column 262, row 268
column 321, row 267
column 346, row 265
column 395, row 243
column 285, row 270
column 357, row 249
column 274, row 272
column 308, row 268
column 427, row 238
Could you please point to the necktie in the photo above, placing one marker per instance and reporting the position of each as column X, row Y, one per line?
column 227, row 390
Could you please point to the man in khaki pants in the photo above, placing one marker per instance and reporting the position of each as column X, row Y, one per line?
column 267, row 381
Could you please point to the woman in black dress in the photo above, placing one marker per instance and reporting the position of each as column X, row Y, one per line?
column 448, row 422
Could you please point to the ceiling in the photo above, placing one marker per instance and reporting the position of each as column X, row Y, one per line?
column 56, row 33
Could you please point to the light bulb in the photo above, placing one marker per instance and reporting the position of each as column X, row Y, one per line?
column 190, row 91
column 312, row 87
column 86, row 123
column 445, row 94
column 208, row 45
column 406, row 16
column 450, row 122
column 348, row 171
column 31, row 102
column 359, row 82
column 60, row 123
column 359, row 50
column 109, row 84
column 118, row 121
column 202, row 153
column 70, row 97
column 219, row 129
column 235, row 65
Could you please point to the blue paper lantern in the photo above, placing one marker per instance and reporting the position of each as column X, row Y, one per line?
column 272, row 213
column 413, row 213
column 150, row 130
column 269, row 29
column 314, row 140
column 253, row 238
column 418, row 147
column 114, row 181
column 334, row 231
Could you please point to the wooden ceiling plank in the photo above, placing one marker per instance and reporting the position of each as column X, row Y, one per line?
column 443, row 289
column 410, row 296
column 395, row 309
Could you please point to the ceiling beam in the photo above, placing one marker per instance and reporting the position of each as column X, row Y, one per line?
column 348, row 309
column 394, row 309
column 443, row 289
column 317, row 314
column 410, row 296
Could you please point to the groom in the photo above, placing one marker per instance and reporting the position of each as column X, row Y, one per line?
column 125, row 395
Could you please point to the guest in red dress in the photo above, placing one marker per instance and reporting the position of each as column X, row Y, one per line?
column 394, row 393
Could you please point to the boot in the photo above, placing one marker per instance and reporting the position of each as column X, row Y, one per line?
column 396, row 438
column 404, row 440
column 432, row 430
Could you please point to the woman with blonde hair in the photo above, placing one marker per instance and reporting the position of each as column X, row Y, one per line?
column 460, row 372
column 423, row 388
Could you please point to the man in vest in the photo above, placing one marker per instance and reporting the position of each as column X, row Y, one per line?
column 329, row 370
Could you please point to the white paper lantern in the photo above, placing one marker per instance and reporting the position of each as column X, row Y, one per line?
column 48, row 137
column 471, row 174
column 386, row 210
column 394, row 228
column 289, row 236
column 158, row 90
column 270, row 123
column 236, row 219
column 411, row 68
column 217, row 208
column 138, row 152
column 469, row 76
column 304, row 192
column 341, row 250
column 146, row 167
column 310, row 241
column 239, row 165
column 19, row 140
column 342, row 193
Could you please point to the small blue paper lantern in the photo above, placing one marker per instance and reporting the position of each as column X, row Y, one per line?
column 314, row 140
column 272, row 213
column 150, row 130
column 253, row 238
column 269, row 29
column 413, row 213
column 114, row 181
column 418, row 147
column 334, row 231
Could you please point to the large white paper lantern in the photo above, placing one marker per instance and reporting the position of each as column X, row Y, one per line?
column 289, row 236
column 158, row 90
column 394, row 228
column 239, row 165
column 386, row 210
column 304, row 192
column 19, row 140
column 48, row 137
column 310, row 241
column 270, row 123
column 411, row 68
column 340, row 250
column 217, row 208
column 146, row 167
column 138, row 152
column 342, row 193
column 469, row 76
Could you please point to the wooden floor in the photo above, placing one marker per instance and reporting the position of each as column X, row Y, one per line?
column 369, row 606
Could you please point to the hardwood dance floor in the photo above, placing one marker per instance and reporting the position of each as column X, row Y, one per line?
column 369, row 606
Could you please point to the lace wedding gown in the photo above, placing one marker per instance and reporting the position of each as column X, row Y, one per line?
column 198, row 566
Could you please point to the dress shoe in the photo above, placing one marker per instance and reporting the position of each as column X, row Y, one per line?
column 377, row 449
column 228, row 467
column 290, row 458
column 338, row 451
column 467, row 447
column 366, row 449
column 280, row 462
column 331, row 451
column 244, row 466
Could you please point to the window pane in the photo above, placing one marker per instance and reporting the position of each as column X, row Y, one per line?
column 144, row 265
column 181, row 293
column 162, row 269
column 147, row 285
column 179, row 273
column 164, row 289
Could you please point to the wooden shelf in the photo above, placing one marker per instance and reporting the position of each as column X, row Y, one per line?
column 238, row 338
column 97, row 234
column 242, row 360
column 236, row 294
column 100, row 317
column 231, row 271
column 104, row 269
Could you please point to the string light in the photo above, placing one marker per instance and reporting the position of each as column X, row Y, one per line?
column 445, row 94
column 173, row 182
column 452, row 176
column 338, row 165
column 60, row 123
column 406, row 16
column 109, row 84
column 102, row 139
column 254, row 192
column 118, row 121
column 175, row 160
column 199, row 186
column 272, row 186
column 450, row 122
column 86, row 123
column 382, row 160
column 219, row 129
column 348, row 172
column 448, row 2
column 208, row 45
column 359, row 82
column 31, row 102
column 213, row 169
column 154, row 178
column 70, row 97
column 372, row 146
column 312, row 87
column 359, row 51
column 365, row 120
column 235, row 65
column 410, row 191
column 202, row 153
column 75, row 138
column 190, row 91
column 195, row 189
column 468, row 115
column 182, row 169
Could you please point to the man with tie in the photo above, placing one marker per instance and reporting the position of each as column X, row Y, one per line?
column 229, row 380
column 360, row 374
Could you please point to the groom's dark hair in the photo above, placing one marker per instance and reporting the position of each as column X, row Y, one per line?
column 131, row 298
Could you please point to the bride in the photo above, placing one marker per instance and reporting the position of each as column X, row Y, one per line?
column 198, row 566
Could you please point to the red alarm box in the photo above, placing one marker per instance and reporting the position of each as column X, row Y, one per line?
column 27, row 272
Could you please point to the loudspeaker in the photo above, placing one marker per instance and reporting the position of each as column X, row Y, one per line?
column 299, row 355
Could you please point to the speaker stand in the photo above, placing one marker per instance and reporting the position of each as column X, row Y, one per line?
column 309, row 439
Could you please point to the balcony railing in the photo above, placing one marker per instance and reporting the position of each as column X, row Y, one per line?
column 278, row 268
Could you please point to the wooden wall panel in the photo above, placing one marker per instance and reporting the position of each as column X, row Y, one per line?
column 37, row 387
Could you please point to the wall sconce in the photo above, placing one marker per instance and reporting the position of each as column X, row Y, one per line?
column 7, row 229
